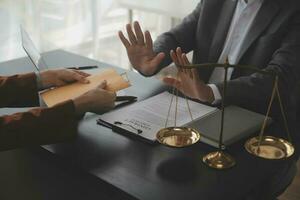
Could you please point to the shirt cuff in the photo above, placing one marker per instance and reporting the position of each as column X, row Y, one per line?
column 217, row 94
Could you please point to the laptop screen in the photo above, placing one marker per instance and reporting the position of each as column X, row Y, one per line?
column 32, row 51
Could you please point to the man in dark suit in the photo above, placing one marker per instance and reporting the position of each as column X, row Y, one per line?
column 46, row 125
column 264, row 33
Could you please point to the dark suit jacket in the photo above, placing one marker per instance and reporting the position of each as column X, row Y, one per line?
column 37, row 126
column 273, row 43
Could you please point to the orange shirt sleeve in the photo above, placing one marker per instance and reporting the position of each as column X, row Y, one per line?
column 38, row 126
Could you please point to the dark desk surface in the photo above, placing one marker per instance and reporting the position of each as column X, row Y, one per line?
column 147, row 171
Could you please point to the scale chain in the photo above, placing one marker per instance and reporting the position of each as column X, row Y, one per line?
column 267, row 115
column 176, row 108
column 170, row 106
column 283, row 114
column 189, row 108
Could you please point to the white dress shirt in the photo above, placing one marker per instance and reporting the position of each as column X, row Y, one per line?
column 242, row 21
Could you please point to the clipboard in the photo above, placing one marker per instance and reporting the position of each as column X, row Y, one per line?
column 145, row 118
column 123, row 131
column 124, row 100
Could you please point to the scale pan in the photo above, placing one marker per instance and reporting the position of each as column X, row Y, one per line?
column 271, row 148
column 178, row 136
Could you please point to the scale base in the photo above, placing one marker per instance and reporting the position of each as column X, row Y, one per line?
column 219, row 160
column 270, row 148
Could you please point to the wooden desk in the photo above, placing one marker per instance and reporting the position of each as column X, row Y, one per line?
column 144, row 171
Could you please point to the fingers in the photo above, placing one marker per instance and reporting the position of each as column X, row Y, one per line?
column 195, row 74
column 174, row 57
column 149, row 41
column 179, row 56
column 125, row 42
column 187, row 62
column 139, row 34
column 157, row 60
column 175, row 60
column 180, row 59
column 59, row 83
column 114, row 97
column 131, row 35
column 79, row 77
column 172, row 82
column 136, row 37
column 185, row 59
column 109, row 96
column 81, row 73
column 102, row 85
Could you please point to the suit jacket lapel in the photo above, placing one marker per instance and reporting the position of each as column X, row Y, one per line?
column 264, row 17
column 216, row 47
column 222, row 30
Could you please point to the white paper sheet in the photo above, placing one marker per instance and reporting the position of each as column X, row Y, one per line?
column 150, row 115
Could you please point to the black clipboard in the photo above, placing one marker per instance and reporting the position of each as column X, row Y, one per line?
column 121, row 102
column 124, row 131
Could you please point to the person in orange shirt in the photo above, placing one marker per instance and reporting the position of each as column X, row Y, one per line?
column 46, row 125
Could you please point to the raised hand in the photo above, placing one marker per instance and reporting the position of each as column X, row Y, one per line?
column 188, row 81
column 139, row 48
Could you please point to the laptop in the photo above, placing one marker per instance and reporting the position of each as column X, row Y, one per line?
column 32, row 52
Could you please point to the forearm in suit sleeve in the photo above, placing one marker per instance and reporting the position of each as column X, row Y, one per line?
column 19, row 91
column 257, row 88
column 182, row 36
column 38, row 126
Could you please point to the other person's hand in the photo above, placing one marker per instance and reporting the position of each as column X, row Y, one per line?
column 188, row 81
column 60, row 77
column 140, row 50
column 97, row 100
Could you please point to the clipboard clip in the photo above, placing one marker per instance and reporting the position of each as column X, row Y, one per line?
column 116, row 126
column 139, row 131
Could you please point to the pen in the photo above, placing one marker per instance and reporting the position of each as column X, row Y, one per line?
column 83, row 67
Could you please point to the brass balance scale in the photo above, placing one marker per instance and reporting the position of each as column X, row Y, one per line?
column 267, row 147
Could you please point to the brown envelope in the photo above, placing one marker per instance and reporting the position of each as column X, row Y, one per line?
column 115, row 82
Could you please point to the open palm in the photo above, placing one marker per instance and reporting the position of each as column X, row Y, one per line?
column 139, row 48
column 188, row 81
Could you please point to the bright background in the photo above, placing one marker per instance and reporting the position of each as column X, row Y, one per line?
column 85, row 27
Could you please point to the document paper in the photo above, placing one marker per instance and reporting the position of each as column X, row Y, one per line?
column 115, row 82
column 150, row 115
